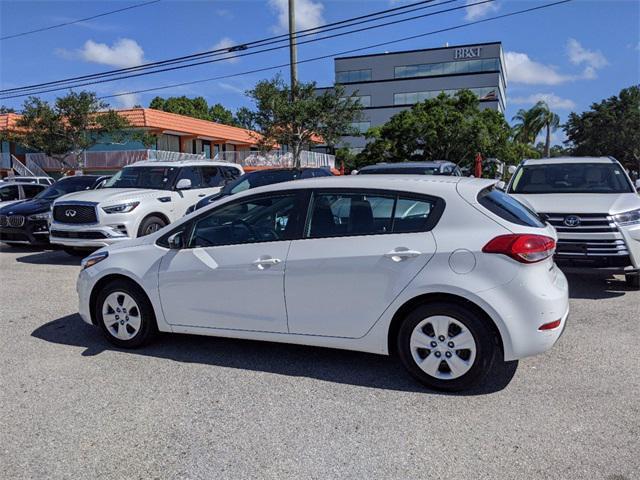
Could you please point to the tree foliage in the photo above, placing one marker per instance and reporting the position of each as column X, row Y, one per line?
column 196, row 108
column 529, row 124
column 610, row 127
column 447, row 127
column 4, row 109
column 69, row 127
column 300, row 122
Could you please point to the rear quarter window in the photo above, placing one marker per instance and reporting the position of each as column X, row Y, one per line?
column 508, row 208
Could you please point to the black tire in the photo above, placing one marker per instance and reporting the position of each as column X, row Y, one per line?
column 633, row 281
column 77, row 252
column 150, row 225
column 148, row 328
column 485, row 343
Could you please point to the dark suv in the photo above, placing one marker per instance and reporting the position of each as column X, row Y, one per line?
column 27, row 222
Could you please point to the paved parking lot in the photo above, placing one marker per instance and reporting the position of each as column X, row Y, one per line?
column 72, row 406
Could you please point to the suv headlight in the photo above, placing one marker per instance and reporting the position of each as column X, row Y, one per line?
column 628, row 218
column 91, row 260
column 40, row 216
column 121, row 208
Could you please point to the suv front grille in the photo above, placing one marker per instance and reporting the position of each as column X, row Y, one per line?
column 591, row 247
column 582, row 222
column 83, row 235
column 70, row 213
column 15, row 221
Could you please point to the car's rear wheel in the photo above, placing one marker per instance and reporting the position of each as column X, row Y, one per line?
column 446, row 346
column 150, row 225
column 633, row 281
column 125, row 314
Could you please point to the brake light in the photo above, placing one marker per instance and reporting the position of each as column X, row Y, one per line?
column 525, row 248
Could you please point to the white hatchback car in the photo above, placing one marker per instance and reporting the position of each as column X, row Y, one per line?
column 448, row 272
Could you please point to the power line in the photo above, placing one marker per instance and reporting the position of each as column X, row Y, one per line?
column 135, row 75
column 72, row 22
column 240, row 47
column 344, row 52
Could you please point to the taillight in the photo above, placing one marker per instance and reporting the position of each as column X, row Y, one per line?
column 550, row 325
column 524, row 248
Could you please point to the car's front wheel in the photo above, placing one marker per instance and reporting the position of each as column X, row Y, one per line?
column 150, row 225
column 446, row 346
column 125, row 314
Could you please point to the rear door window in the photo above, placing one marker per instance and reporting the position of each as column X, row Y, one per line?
column 9, row 192
column 31, row 191
column 508, row 208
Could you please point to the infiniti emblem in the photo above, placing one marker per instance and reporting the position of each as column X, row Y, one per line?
column 571, row 221
column 70, row 213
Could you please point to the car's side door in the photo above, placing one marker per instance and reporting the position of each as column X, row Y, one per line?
column 230, row 274
column 359, row 250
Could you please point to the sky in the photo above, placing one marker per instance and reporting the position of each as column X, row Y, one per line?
column 570, row 55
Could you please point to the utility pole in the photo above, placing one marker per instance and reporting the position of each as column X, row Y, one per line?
column 293, row 48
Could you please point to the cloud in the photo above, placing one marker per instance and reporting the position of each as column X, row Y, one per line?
column 125, row 52
column 475, row 12
column 226, row 42
column 232, row 88
column 554, row 101
column 579, row 55
column 309, row 14
column 521, row 69
column 127, row 100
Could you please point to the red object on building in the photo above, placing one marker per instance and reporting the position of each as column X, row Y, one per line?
column 478, row 166
column 341, row 167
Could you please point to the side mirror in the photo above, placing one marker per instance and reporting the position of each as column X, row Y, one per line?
column 512, row 169
column 183, row 184
column 176, row 241
column 501, row 185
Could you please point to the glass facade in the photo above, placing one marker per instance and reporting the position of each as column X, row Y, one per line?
column 448, row 68
column 361, row 127
column 353, row 76
column 168, row 143
column 365, row 100
column 409, row 98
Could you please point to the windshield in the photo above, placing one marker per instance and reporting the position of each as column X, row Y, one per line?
column 402, row 171
column 157, row 178
column 571, row 178
column 66, row 185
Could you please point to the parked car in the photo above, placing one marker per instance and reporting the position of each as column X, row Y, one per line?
column 437, row 167
column 260, row 178
column 593, row 205
column 449, row 272
column 136, row 201
column 31, row 179
column 27, row 222
column 12, row 192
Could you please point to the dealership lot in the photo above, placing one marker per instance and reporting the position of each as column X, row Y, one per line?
column 194, row 407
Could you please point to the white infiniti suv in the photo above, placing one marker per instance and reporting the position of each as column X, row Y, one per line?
column 447, row 271
column 594, row 207
column 136, row 201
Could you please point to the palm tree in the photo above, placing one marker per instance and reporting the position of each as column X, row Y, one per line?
column 531, row 122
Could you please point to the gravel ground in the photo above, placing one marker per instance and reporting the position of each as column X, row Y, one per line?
column 191, row 407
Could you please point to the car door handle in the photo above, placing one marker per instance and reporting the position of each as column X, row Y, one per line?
column 202, row 194
column 263, row 263
column 401, row 253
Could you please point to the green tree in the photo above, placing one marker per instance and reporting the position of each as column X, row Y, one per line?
column 4, row 109
column 529, row 123
column 194, row 107
column 245, row 118
column 309, row 118
column 217, row 113
column 69, row 127
column 444, row 128
column 610, row 127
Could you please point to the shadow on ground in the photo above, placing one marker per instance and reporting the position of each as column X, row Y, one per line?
column 596, row 286
column 50, row 257
column 339, row 366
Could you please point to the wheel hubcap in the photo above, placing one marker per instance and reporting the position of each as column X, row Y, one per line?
column 443, row 347
column 154, row 227
column 121, row 328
